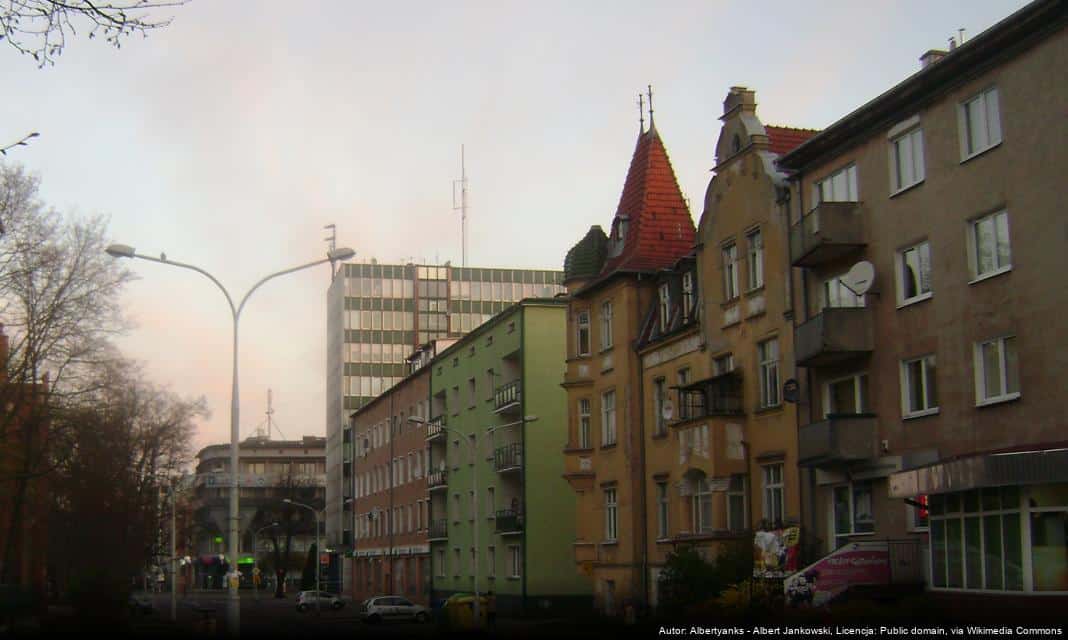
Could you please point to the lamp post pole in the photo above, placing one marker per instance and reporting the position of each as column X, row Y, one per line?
column 233, row 608
column 174, row 559
column 318, row 550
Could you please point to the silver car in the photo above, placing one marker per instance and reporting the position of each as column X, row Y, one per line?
column 306, row 600
column 383, row 608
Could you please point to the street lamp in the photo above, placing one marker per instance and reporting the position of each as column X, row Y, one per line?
column 126, row 251
column 255, row 556
column 318, row 608
column 474, row 485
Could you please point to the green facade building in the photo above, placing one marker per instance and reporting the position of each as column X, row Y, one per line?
column 499, row 390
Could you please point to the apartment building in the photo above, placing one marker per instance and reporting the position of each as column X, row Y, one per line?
column 933, row 374
column 377, row 316
column 270, row 471
column 495, row 483
column 613, row 281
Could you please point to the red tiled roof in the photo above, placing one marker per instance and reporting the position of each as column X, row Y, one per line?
column 783, row 140
column 660, row 229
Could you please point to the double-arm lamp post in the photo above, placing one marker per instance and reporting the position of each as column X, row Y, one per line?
column 255, row 557
column 318, row 549
column 473, row 445
column 125, row 251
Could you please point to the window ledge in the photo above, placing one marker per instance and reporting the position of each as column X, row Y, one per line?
column 754, row 291
column 608, row 446
column 769, row 409
column 993, row 274
column 513, row 577
column 921, row 414
column 998, row 400
column 980, row 152
column 579, row 450
column 605, row 350
column 756, row 315
column 730, row 303
column 914, row 300
column 609, row 543
column 731, row 324
column 907, row 188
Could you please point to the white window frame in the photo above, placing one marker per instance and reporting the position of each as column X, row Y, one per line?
column 864, row 407
column 491, row 561
column 730, row 271
column 835, row 295
column 608, row 418
column 687, row 296
column 516, row 560
column 986, row 133
column 768, row 364
column 664, row 297
column 755, row 242
column 662, row 510
column 974, row 248
column 723, row 364
column 842, row 190
column 774, row 491
column 980, row 378
column 834, row 534
column 907, row 147
column 443, row 568
column 659, row 398
column 606, row 325
column 927, row 363
column 922, row 251
column 702, row 490
column 583, row 322
column 737, row 491
column 584, row 435
column 611, row 515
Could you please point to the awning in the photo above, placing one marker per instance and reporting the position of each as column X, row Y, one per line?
column 988, row 470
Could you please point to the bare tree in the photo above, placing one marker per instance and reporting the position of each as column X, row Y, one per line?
column 292, row 521
column 39, row 28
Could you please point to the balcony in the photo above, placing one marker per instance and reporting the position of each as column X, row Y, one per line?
column 830, row 231
column 834, row 336
column 839, row 438
column 508, row 458
column 435, row 429
column 509, row 521
column 506, row 398
column 439, row 530
column 718, row 396
column 437, row 480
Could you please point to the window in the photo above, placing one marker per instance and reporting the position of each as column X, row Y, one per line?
column 684, row 377
column 837, row 295
column 687, row 296
column 918, row 514
column 774, row 503
column 919, row 395
column 980, row 124
column 608, row 418
column 456, row 507
column 846, row 395
column 606, row 325
column 474, row 561
column 455, row 401
column 852, row 511
column 584, row 333
column 768, row 358
column 584, row 424
column 840, row 186
column 471, row 392
column 659, row 391
column 914, row 273
column 702, row 506
column 491, row 502
column 515, row 560
column 989, row 245
column 610, row 515
column 665, row 306
column 756, row 259
column 736, row 509
column 471, row 505
column 723, row 364
column 997, row 375
column 458, row 562
column 661, row 510
column 978, row 540
column 730, row 272
column 491, row 561
column 906, row 160
column 441, row 563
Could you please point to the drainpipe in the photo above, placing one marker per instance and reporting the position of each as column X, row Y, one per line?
column 642, row 506
column 523, row 444
column 808, row 370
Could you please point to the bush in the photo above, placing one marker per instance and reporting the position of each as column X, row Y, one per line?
column 688, row 580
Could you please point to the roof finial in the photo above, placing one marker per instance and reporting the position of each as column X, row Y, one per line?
column 651, row 124
column 641, row 113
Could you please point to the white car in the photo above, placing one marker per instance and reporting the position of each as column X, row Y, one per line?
column 306, row 600
column 382, row 608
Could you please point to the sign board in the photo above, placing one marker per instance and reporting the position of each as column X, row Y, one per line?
column 853, row 564
column 776, row 552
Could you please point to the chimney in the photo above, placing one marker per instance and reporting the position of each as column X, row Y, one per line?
column 931, row 57
column 740, row 97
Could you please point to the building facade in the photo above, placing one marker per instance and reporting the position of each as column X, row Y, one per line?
column 270, row 472
column 612, row 280
column 495, row 484
column 932, row 371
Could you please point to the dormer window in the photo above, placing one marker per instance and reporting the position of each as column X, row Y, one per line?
column 665, row 306
column 687, row 295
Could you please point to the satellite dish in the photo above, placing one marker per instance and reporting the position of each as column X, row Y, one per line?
column 860, row 277
column 668, row 410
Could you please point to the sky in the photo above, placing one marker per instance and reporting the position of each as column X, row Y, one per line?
column 231, row 137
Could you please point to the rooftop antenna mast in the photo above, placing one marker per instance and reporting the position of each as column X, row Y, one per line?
column 462, row 183
column 270, row 412
column 651, row 125
column 332, row 240
column 641, row 113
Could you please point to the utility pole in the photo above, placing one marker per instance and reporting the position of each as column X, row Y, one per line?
column 462, row 182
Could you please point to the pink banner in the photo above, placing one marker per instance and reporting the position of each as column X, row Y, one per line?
column 853, row 564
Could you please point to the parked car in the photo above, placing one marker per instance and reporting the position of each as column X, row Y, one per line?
column 306, row 600
column 383, row 608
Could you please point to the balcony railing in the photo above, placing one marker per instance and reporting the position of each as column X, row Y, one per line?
column 830, row 231
column 439, row 530
column 437, row 479
column 507, row 396
column 508, row 457
column 509, row 521
column 718, row 396
column 834, row 336
column 435, row 428
column 839, row 438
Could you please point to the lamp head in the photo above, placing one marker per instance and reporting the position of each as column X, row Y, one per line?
column 341, row 253
column 120, row 251
column 287, row 501
column 416, row 420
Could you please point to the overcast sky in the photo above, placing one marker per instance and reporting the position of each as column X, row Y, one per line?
column 230, row 138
